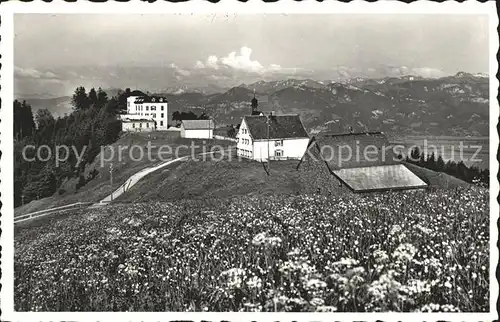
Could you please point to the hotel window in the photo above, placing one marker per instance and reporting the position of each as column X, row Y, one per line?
column 153, row 115
column 147, row 124
column 133, row 125
column 147, row 108
column 278, row 143
column 140, row 125
column 147, row 114
column 162, row 115
column 153, row 108
column 162, row 107
column 161, row 123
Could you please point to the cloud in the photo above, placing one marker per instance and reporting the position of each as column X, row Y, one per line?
column 428, row 72
column 238, row 61
column 179, row 71
column 20, row 72
column 242, row 61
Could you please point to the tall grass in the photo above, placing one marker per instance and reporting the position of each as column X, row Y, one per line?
column 404, row 251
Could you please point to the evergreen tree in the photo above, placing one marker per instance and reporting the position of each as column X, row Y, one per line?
column 102, row 98
column 24, row 125
column 92, row 97
column 440, row 164
column 80, row 100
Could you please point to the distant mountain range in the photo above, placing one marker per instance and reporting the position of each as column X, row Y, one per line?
column 453, row 105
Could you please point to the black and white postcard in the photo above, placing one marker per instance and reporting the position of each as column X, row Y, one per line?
column 248, row 161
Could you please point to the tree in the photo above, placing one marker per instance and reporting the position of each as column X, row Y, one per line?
column 44, row 118
column 80, row 100
column 431, row 162
column 415, row 154
column 92, row 97
column 232, row 132
column 102, row 98
column 24, row 125
column 176, row 116
column 440, row 164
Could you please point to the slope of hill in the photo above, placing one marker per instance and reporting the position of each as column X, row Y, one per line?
column 126, row 162
column 273, row 86
column 216, row 255
column 232, row 177
column 58, row 106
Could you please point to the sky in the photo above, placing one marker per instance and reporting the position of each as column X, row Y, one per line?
column 447, row 42
column 425, row 45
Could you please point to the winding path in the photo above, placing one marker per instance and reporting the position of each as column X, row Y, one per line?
column 129, row 183
column 133, row 179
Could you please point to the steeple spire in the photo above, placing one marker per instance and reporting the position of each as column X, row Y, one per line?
column 255, row 103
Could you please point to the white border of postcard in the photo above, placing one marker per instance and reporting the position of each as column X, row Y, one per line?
column 224, row 7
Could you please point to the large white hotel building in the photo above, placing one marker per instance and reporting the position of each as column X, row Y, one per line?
column 145, row 113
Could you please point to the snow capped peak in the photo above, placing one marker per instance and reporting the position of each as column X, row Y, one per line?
column 481, row 75
column 462, row 74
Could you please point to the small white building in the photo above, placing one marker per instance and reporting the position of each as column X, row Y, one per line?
column 138, row 125
column 148, row 107
column 197, row 129
column 273, row 137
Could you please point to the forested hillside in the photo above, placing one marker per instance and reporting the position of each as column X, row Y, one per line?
column 39, row 137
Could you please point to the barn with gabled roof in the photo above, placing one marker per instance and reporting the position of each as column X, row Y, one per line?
column 361, row 162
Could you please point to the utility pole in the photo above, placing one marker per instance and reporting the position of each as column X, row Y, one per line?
column 22, row 200
column 268, row 156
column 111, row 178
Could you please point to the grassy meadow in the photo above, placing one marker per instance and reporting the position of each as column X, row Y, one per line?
column 398, row 251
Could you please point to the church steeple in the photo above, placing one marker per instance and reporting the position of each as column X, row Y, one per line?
column 255, row 103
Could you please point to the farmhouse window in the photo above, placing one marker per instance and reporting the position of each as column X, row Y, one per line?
column 278, row 143
column 278, row 153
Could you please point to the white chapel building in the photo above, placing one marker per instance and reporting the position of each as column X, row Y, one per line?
column 272, row 137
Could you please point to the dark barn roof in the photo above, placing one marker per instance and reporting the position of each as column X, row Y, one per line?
column 352, row 150
column 280, row 127
column 345, row 158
